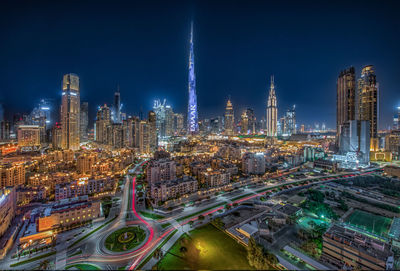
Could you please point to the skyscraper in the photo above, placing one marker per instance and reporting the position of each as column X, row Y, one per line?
column 289, row 125
column 164, row 119
column 117, row 106
column 229, row 118
column 193, row 125
column 153, row 131
column 244, row 123
column 70, row 112
column 103, row 120
column 368, row 102
column 84, row 121
column 345, row 99
column 396, row 120
column 272, row 111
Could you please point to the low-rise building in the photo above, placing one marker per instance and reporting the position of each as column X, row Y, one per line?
column 392, row 171
column 173, row 189
column 7, row 208
column 253, row 163
column 68, row 212
column 215, row 178
column 346, row 247
column 83, row 187
column 25, row 195
column 12, row 174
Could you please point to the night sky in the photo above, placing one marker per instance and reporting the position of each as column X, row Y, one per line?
column 143, row 47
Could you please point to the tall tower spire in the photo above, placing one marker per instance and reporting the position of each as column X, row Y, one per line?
column 272, row 110
column 192, row 120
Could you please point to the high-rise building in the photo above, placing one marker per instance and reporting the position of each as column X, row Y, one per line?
column 153, row 131
column 368, row 102
column 70, row 112
column 289, row 123
column 56, row 136
column 345, row 99
column 144, row 137
column 244, row 123
column 12, row 175
column 117, row 107
column 4, row 130
column 103, row 121
column 192, row 120
column 396, row 120
column 355, row 140
column 164, row 119
column 178, row 124
column 229, row 119
column 251, row 119
column 1, row 112
column 84, row 121
column 272, row 111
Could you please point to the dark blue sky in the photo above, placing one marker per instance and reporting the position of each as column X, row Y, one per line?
column 143, row 46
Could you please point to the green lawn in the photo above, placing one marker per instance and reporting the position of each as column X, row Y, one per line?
column 207, row 248
column 151, row 215
column 376, row 224
column 84, row 266
column 114, row 244
column 33, row 259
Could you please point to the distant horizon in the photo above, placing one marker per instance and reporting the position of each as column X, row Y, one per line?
column 144, row 48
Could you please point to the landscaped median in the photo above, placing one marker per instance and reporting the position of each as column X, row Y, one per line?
column 151, row 215
column 33, row 259
column 90, row 233
column 201, row 211
column 160, row 246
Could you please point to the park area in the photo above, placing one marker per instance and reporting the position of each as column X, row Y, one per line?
column 125, row 239
column 82, row 266
column 205, row 248
column 372, row 223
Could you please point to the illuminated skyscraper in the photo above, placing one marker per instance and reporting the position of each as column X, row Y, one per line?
column 396, row 120
column 70, row 112
column 103, row 120
column 193, row 125
column 244, row 123
column 345, row 99
column 368, row 102
column 153, row 130
column 117, row 107
column 229, row 119
column 272, row 111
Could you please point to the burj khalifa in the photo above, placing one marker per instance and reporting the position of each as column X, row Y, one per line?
column 192, row 118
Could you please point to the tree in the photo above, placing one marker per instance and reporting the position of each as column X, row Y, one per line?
column 228, row 207
column 201, row 217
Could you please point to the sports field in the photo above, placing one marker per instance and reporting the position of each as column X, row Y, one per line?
column 376, row 224
column 205, row 248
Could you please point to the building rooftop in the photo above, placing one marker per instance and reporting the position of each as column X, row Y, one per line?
column 360, row 242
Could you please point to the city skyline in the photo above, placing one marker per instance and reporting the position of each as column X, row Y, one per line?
column 247, row 87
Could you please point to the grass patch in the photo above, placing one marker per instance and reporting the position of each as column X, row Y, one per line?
column 115, row 241
column 165, row 225
column 376, row 224
column 84, row 266
column 207, row 248
column 90, row 233
column 151, row 215
column 33, row 259
column 151, row 255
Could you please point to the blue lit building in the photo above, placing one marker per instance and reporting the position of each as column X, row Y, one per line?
column 192, row 120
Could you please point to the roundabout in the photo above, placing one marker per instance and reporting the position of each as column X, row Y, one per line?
column 125, row 239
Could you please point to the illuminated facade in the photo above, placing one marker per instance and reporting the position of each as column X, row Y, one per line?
column 28, row 135
column 229, row 119
column 272, row 111
column 103, row 120
column 368, row 102
column 70, row 112
column 153, row 130
column 396, row 120
column 345, row 99
column 192, row 120
column 117, row 107
column 244, row 123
